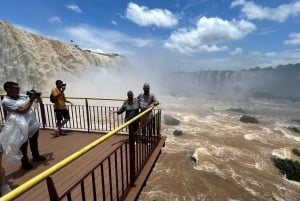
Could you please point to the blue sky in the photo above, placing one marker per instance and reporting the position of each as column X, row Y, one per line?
column 184, row 35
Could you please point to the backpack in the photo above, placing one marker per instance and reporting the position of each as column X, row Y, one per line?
column 52, row 98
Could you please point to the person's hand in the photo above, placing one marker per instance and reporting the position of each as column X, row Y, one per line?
column 111, row 111
column 32, row 98
column 39, row 99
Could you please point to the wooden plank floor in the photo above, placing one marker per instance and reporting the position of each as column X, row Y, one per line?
column 56, row 149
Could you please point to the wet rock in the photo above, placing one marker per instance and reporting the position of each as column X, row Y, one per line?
column 296, row 120
column 169, row 120
column 239, row 110
column 193, row 160
column 294, row 129
column 249, row 119
column 177, row 132
column 296, row 152
column 287, row 167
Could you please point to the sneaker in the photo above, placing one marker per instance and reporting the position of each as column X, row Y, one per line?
column 57, row 132
column 39, row 158
column 4, row 189
column 27, row 166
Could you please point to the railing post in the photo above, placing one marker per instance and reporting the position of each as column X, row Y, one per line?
column 87, row 114
column 43, row 115
column 51, row 190
column 132, row 155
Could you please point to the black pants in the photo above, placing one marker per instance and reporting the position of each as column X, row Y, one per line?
column 33, row 142
column 135, row 126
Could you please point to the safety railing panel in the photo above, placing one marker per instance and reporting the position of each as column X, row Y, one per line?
column 108, row 180
column 82, row 117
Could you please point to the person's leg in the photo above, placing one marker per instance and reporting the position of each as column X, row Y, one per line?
column 66, row 116
column 33, row 142
column 2, row 172
column 59, row 118
column 144, row 121
column 4, row 188
column 24, row 160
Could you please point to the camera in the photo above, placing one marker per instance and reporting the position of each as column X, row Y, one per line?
column 63, row 86
column 33, row 92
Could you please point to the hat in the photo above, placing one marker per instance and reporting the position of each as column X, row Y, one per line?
column 59, row 82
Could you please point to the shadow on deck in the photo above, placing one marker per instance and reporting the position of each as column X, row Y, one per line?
column 57, row 149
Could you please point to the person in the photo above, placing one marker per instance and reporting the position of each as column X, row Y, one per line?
column 60, row 109
column 21, row 124
column 131, row 107
column 146, row 100
column 4, row 188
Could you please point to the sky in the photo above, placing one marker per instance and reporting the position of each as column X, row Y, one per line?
column 176, row 35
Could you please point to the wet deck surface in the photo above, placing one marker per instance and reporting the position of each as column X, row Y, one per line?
column 56, row 149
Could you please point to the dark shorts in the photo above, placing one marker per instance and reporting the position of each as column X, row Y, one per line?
column 61, row 114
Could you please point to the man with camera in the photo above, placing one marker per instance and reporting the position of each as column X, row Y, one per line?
column 20, row 114
column 60, row 108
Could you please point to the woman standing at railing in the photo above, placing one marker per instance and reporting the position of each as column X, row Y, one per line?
column 131, row 108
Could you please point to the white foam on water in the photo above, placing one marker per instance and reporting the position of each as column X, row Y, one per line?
column 244, row 182
column 284, row 153
column 210, row 168
column 289, row 134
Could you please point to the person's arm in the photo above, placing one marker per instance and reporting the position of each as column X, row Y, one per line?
column 67, row 101
column 25, row 108
column 57, row 92
column 120, row 111
column 154, row 101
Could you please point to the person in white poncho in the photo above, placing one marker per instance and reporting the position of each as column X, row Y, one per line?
column 20, row 126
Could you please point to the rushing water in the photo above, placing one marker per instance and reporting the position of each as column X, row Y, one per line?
column 231, row 158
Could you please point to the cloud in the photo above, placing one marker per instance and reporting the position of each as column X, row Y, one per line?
column 103, row 40
column 114, row 22
column 294, row 39
column 236, row 51
column 253, row 11
column 75, row 8
column 54, row 20
column 146, row 17
column 207, row 34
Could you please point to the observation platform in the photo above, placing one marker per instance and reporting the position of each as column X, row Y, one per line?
column 58, row 148
column 98, row 157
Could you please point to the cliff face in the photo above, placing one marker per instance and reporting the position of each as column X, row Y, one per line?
column 30, row 59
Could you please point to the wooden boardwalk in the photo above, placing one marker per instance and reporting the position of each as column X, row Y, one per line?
column 57, row 149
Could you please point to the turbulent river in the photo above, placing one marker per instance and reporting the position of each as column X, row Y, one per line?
column 220, row 158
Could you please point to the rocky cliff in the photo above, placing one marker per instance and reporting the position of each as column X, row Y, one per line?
column 30, row 59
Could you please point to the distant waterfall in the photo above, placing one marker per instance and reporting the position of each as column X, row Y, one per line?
column 280, row 82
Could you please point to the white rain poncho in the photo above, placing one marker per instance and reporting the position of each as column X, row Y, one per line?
column 16, row 130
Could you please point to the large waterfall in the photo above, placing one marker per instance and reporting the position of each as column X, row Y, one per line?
column 32, row 59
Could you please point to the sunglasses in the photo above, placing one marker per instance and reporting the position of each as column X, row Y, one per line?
column 13, row 87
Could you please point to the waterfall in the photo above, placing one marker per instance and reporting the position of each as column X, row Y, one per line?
column 31, row 59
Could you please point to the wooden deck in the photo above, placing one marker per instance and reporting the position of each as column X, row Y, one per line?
column 56, row 149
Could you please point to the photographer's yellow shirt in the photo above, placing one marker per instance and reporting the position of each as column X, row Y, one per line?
column 60, row 102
